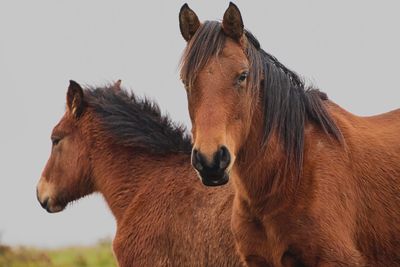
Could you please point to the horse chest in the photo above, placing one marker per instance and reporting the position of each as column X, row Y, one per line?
column 287, row 240
column 276, row 244
column 258, row 238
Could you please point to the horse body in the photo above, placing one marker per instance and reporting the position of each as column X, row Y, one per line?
column 314, row 184
column 112, row 143
column 344, row 212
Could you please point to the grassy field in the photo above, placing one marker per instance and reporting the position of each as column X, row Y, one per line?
column 99, row 255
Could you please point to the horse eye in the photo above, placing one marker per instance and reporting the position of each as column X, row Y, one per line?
column 55, row 140
column 243, row 76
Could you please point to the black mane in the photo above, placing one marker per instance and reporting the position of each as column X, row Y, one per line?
column 136, row 122
column 287, row 103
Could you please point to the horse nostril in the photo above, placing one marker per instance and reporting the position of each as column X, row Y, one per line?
column 197, row 160
column 37, row 194
column 44, row 203
column 224, row 157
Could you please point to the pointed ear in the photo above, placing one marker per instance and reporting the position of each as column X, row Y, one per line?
column 188, row 22
column 117, row 86
column 75, row 99
column 232, row 23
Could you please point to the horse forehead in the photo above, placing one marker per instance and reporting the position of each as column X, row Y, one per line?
column 64, row 124
column 233, row 50
column 225, row 65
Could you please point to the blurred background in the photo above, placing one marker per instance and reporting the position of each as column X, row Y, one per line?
column 349, row 49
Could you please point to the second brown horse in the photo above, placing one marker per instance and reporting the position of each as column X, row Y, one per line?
column 111, row 142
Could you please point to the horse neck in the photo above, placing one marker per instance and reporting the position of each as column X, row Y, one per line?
column 260, row 166
column 120, row 173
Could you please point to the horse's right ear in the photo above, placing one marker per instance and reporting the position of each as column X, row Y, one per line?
column 117, row 86
column 75, row 102
column 188, row 22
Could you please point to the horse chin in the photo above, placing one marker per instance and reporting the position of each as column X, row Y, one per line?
column 213, row 180
column 55, row 208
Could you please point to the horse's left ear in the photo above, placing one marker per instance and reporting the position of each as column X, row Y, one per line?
column 232, row 23
column 75, row 102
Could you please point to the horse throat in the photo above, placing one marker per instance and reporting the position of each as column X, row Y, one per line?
column 261, row 167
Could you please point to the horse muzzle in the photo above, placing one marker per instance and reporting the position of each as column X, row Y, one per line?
column 214, row 180
column 214, row 173
column 48, row 203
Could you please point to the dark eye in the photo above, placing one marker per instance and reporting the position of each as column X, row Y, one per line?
column 55, row 140
column 243, row 76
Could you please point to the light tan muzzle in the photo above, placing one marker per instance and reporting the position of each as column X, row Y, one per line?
column 46, row 196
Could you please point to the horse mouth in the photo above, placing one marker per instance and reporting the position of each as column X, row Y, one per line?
column 55, row 208
column 214, row 179
column 51, row 206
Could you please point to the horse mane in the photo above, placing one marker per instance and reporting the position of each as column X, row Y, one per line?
column 136, row 122
column 287, row 103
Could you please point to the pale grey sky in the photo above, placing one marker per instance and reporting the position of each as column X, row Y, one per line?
column 349, row 49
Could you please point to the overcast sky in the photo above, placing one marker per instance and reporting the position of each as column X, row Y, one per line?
column 349, row 49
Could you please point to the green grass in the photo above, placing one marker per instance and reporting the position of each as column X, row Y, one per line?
column 99, row 255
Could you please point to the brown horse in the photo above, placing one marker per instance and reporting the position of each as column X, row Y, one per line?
column 314, row 184
column 111, row 142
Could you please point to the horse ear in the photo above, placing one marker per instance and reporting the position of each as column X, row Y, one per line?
column 75, row 99
column 188, row 22
column 232, row 23
column 117, row 86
